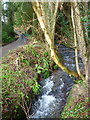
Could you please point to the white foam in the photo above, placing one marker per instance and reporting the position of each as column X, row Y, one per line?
column 48, row 85
column 45, row 101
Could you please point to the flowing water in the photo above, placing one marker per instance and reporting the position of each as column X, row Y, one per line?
column 55, row 89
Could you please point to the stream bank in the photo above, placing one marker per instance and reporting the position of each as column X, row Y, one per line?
column 55, row 89
column 21, row 68
column 78, row 103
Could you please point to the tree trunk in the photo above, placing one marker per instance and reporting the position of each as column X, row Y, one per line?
column 50, row 42
column 81, row 40
column 75, row 44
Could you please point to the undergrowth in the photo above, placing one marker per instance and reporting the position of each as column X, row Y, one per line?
column 21, row 71
column 77, row 105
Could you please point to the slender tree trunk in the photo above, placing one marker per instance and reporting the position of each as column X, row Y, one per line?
column 81, row 40
column 49, row 40
column 76, row 44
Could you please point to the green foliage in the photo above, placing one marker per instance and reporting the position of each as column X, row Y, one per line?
column 42, row 66
column 20, row 74
column 35, row 87
column 43, row 69
column 19, row 19
column 8, row 33
column 17, row 85
column 76, row 111
column 34, row 53
column 14, row 82
column 85, row 19
column 55, row 66
column 63, row 26
column 6, row 37
column 78, row 81
column 38, row 69
column 77, row 105
column 24, row 13
column 46, row 53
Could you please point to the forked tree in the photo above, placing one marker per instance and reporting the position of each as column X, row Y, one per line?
column 46, row 14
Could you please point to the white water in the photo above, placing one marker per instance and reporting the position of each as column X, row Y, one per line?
column 45, row 101
column 55, row 89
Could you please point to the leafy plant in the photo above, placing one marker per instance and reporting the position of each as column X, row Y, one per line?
column 35, row 87
column 20, row 75
column 6, row 38
column 55, row 66
column 38, row 69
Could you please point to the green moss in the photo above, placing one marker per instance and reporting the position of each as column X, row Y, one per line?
column 77, row 105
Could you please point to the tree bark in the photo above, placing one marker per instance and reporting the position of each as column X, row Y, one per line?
column 81, row 40
column 54, row 56
column 76, row 44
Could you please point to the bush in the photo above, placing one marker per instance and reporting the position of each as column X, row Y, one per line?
column 6, row 36
column 20, row 72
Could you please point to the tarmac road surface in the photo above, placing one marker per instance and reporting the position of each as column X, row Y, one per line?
column 5, row 49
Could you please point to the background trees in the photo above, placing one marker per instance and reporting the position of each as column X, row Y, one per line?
column 25, row 17
column 17, row 15
column 8, row 33
column 51, row 17
column 71, row 29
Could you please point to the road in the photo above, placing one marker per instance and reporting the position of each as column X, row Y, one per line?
column 5, row 49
